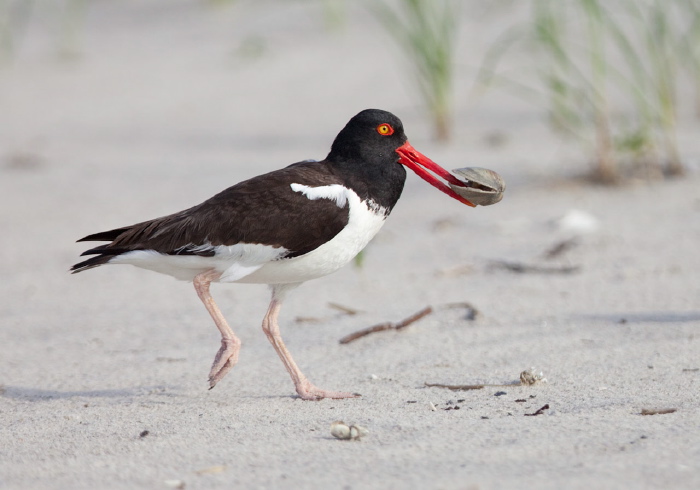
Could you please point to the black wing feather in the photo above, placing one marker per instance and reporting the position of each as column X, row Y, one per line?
column 261, row 210
column 105, row 236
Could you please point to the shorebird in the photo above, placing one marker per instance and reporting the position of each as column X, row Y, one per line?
column 281, row 228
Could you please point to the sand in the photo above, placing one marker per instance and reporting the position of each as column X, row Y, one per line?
column 103, row 374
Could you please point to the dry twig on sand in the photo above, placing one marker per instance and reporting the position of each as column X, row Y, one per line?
column 343, row 309
column 387, row 325
column 538, row 412
column 471, row 315
column 560, row 248
column 657, row 411
column 528, row 377
column 522, row 268
column 455, row 387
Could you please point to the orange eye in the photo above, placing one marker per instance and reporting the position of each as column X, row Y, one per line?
column 385, row 129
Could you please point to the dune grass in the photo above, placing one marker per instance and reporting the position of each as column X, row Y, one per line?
column 14, row 18
column 426, row 31
column 585, row 54
column 65, row 19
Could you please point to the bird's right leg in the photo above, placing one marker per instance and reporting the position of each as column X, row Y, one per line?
column 227, row 357
column 305, row 389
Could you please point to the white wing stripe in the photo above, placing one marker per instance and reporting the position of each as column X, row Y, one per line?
column 334, row 192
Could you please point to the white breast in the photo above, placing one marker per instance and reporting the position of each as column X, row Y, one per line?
column 364, row 221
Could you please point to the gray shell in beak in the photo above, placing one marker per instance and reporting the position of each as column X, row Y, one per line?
column 483, row 186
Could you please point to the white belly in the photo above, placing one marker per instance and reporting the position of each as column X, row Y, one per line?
column 363, row 224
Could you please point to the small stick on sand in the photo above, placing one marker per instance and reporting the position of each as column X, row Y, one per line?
column 538, row 412
column 560, row 247
column 455, row 387
column 657, row 411
column 472, row 312
column 343, row 309
column 522, row 268
column 528, row 377
column 388, row 325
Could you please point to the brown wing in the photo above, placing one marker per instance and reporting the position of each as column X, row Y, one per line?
column 262, row 210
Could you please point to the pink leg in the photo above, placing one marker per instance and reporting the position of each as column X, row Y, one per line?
column 305, row 389
column 227, row 357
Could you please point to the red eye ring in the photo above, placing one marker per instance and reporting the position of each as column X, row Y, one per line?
column 385, row 129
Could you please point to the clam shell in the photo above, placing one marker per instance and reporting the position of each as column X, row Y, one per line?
column 484, row 186
column 341, row 430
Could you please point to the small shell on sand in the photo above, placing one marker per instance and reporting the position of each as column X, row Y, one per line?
column 531, row 376
column 483, row 186
column 340, row 430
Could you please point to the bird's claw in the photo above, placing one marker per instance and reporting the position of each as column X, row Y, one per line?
column 225, row 359
column 307, row 391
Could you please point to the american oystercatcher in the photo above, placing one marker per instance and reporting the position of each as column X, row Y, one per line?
column 281, row 228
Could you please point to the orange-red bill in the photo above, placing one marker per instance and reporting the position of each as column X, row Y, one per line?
column 422, row 166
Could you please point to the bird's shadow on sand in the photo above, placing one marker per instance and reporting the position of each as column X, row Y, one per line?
column 153, row 393
column 647, row 317
column 38, row 395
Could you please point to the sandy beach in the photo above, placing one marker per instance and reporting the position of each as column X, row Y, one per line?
column 103, row 375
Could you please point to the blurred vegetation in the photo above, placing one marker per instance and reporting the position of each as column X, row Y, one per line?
column 14, row 19
column 690, row 49
column 606, row 72
column 15, row 16
column 426, row 31
column 585, row 53
column 72, row 18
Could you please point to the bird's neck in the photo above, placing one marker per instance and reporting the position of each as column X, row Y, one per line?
column 380, row 181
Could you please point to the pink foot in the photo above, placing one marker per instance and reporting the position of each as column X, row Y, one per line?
column 225, row 359
column 307, row 391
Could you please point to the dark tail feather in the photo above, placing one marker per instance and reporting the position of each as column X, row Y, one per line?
column 105, row 236
column 105, row 250
column 92, row 262
column 102, row 252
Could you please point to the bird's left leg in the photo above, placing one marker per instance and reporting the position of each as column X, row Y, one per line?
column 227, row 357
column 305, row 389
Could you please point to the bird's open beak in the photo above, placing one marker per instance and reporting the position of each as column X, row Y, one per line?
column 423, row 165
